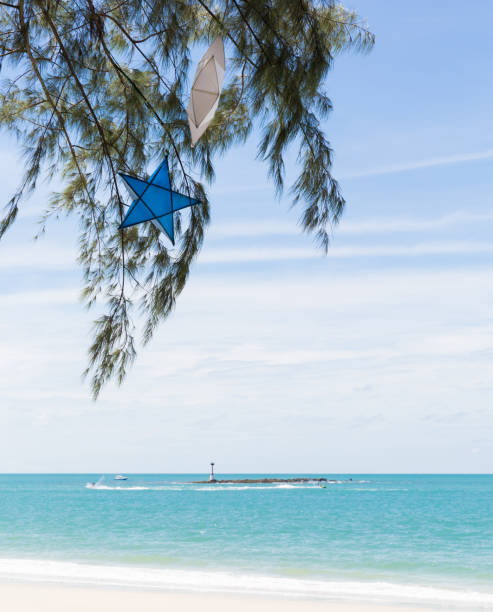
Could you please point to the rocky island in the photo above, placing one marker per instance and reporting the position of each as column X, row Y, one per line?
column 297, row 480
column 261, row 480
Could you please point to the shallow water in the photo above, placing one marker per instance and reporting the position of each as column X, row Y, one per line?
column 399, row 537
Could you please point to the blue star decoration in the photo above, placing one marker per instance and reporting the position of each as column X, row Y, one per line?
column 155, row 201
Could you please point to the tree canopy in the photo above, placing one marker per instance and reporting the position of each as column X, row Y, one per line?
column 93, row 87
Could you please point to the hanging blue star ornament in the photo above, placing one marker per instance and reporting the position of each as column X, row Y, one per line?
column 155, row 201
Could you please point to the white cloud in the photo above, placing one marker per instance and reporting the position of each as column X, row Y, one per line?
column 383, row 225
column 445, row 160
column 253, row 254
column 425, row 163
column 459, row 288
column 286, row 359
column 295, row 356
column 48, row 255
column 37, row 255
column 251, row 229
column 403, row 224
column 55, row 258
column 48, row 297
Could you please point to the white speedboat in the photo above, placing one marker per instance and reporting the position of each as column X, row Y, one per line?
column 120, row 477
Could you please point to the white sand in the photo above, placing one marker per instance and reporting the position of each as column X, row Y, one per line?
column 48, row 598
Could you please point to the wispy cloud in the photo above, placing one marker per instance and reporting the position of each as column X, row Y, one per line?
column 375, row 289
column 214, row 255
column 38, row 256
column 65, row 259
column 273, row 227
column 37, row 298
column 269, row 357
column 432, row 162
column 250, row 229
column 425, row 163
column 284, row 353
column 403, row 224
column 55, row 258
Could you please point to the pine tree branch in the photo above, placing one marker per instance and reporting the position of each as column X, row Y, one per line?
column 110, row 114
column 49, row 97
column 226, row 33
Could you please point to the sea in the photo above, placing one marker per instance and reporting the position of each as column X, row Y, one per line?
column 397, row 539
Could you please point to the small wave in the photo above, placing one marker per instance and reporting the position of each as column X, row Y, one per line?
column 229, row 582
column 108, row 488
column 259, row 487
column 219, row 487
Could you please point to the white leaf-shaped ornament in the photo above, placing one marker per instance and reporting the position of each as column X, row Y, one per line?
column 206, row 89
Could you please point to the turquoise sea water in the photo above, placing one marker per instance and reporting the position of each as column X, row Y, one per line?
column 413, row 539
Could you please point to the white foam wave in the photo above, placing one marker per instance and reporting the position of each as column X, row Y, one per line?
column 201, row 488
column 259, row 487
column 226, row 582
column 216, row 487
column 108, row 488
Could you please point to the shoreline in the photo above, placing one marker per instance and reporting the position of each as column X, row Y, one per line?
column 168, row 582
column 25, row 597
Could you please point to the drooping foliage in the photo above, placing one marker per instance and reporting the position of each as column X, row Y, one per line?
column 93, row 87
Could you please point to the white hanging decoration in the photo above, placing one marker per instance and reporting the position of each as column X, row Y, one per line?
column 206, row 89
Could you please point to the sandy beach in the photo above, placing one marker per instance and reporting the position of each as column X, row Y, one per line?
column 52, row 598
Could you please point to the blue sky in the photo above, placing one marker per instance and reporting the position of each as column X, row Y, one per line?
column 376, row 358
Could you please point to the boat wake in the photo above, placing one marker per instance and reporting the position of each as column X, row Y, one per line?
column 101, row 487
column 209, row 487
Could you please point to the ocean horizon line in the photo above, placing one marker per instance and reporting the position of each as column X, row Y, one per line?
column 236, row 473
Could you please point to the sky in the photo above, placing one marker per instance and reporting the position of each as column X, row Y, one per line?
column 375, row 358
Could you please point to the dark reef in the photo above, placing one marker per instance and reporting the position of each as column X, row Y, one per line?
column 262, row 480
